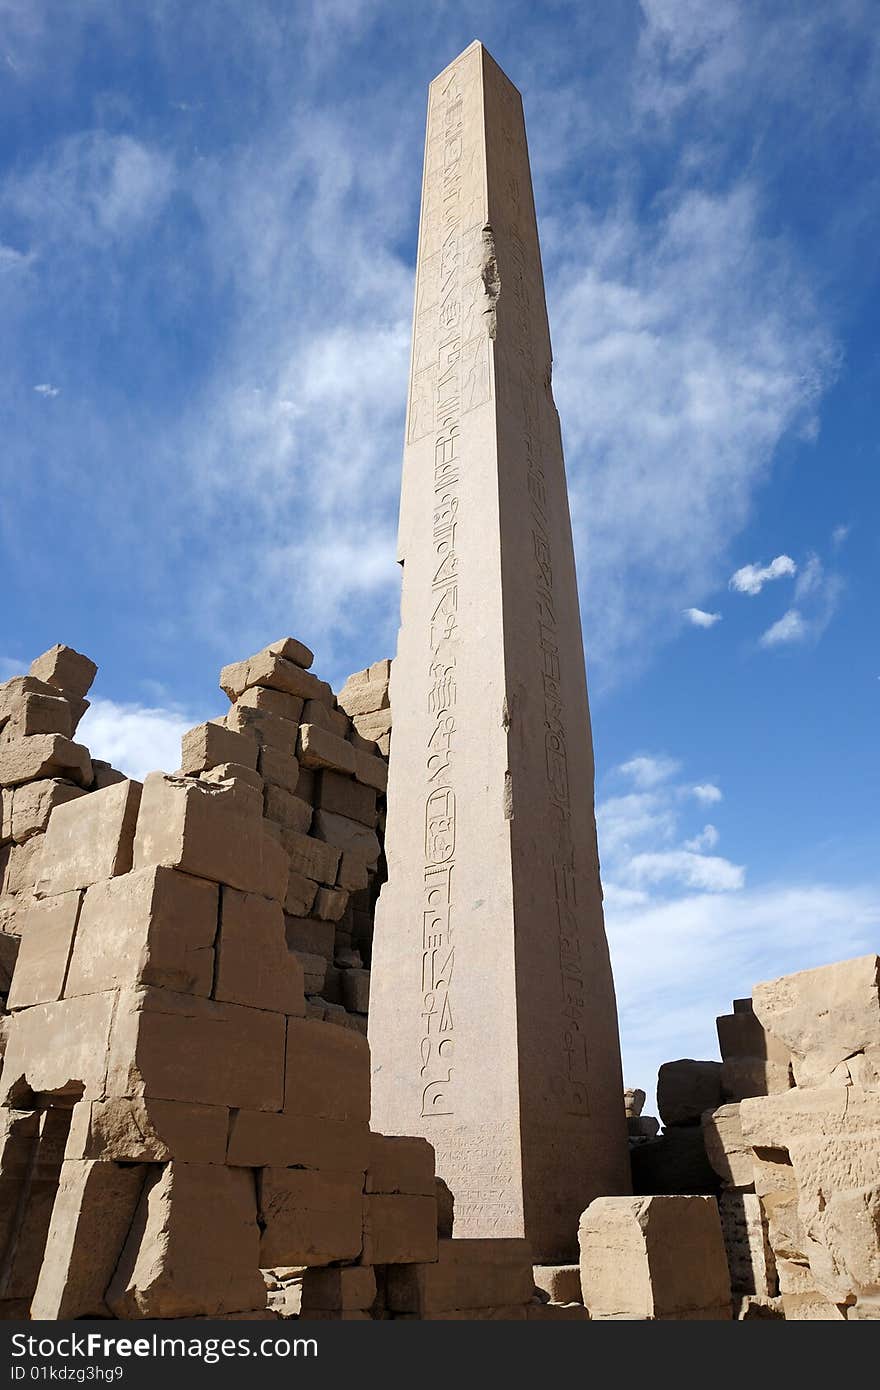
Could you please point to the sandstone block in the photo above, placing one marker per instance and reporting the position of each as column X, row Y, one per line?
column 742, row 1077
column 90, row 840
column 208, row 745
column 335, row 721
column 180, row 1047
column 91, row 1217
column 292, row 650
column 338, row 1289
column 210, row 832
column 310, row 935
column 66, row 669
column 288, row 810
column 266, row 729
column 356, row 991
column 370, row 770
column 346, row 797
column 309, row 1217
column 328, row 1072
column 254, row 965
column 300, row 894
column 726, row 1149
column 561, row 1283
column 276, row 672
column 749, row 1257
column 376, row 727
column 314, row 969
column 399, row 1229
column 330, row 903
column 347, row 835
column 311, row 857
column 20, row 866
column 352, row 874
column 193, row 1247
column 633, row 1102
column 44, row 755
column 366, row 691
column 823, row 1016
column 280, row 770
column 317, row 748
column 686, row 1088
column 288, row 707
column 642, row 1126
column 332, row 992
column 674, row 1163
column 468, row 1274
column 654, row 1258
column 258, row 1139
column 58, row 1048
column 103, row 774
column 34, row 803
column 47, row 936
column 36, row 712
column 400, row 1164
column 143, row 1130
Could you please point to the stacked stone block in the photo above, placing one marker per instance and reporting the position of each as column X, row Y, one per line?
column 675, row 1162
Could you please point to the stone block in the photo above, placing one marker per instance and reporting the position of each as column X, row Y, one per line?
column 143, row 1130
column 288, row 810
column 211, row 832
column 154, row 926
column 328, row 1072
column 44, row 755
column 400, row 1164
column 561, row 1283
column 48, row 929
column 104, row 775
column 742, row 1077
column 346, row 797
column 20, row 866
column 310, row 935
column 348, row 836
column 194, row 1246
column 749, row 1256
column 641, row 1127
column 254, row 965
column 268, row 730
column 330, row 904
column 89, row 840
column 312, row 858
column 292, row 650
column 367, row 691
column 275, row 672
column 180, row 1047
column 633, row 1103
column 300, row 896
column 279, row 769
column 36, row 712
column 675, row 1163
column 467, row 1274
column 686, row 1088
column 66, row 669
column 729, row 1154
column 258, row 1139
column 34, row 803
column 58, row 1049
column 335, row 721
column 654, row 1258
column 338, row 1289
column 399, row 1229
column 375, row 727
column 356, row 991
column 332, row 992
column 309, row 1217
column 318, row 748
column 352, row 874
column 370, row 770
column 288, row 707
column 91, row 1217
column 823, row 1016
column 314, row 969
column 208, row 745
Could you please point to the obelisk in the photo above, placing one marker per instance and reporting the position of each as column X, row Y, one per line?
column 493, row 1023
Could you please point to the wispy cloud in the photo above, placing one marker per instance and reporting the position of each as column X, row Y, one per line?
column 706, row 793
column 817, row 594
column 840, row 534
column 697, row 617
column 646, row 771
column 752, row 578
column 707, row 839
column 45, row 388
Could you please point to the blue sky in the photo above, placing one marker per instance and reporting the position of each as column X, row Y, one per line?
column 208, row 217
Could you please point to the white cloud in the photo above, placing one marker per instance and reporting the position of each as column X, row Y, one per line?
column 706, row 792
column 707, row 839
column 649, row 771
column 752, row 578
column 688, row 868
column 10, row 259
column 45, row 388
column 699, row 618
column 817, row 593
column 840, row 534
column 136, row 739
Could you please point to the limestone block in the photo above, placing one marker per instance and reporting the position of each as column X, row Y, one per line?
column 346, row 797
column 328, row 1072
column 91, row 1217
column 20, row 866
column 654, row 1258
column 311, row 857
column 366, row 691
column 352, row 874
column 288, row 810
column 258, row 1139
column 180, row 1047
column 823, row 1016
column 143, row 1130
column 280, row 769
column 208, row 745
column 399, row 1229
column 314, row 969
column 330, row 904
column 370, row 770
column 675, row 1163
column 35, row 712
column 338, row 1289
column 66, row 669
column 34, row 803
column 347, row 835
column 90, row 840
column 310, row 935
column 211, row 832
column 335, row 721
column 729, row 1154
column 356, row 991
column 254, row 965
column 257, row 697
column 686, row 1088
column 276, row 672
column 47, row 936
column 300, row 896
column 401, row 1164
column 193, row 1248
column 749, row 1256
column 468, row 1274
column 154, row 926
column 309, row 1217
column 318, row 748
column 56, row 1049
column 633, row 1102
column 561, row 1283
column 44, row 755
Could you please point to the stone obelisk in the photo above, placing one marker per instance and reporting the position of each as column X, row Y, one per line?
column 493, row 1023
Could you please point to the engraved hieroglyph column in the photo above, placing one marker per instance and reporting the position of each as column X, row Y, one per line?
column 493, row 1023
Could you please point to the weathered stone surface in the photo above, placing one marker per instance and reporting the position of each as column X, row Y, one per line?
column 301, row 893
column 468, row 1274
column 675, row 1163
column 338, row 1289
column 292, row 650
column 399, row 1229
column 254, row 965
column 356, row 991
column 91, row 1217
column 180, row 1047
column 213, row 832
column 330, row 903
column 47, row 936
column 347, row 835
column 58, row 1049
column 654, row 1258
column 561, row 1283
column 66, row 669
column 309, row 1217
column 276, row 672
column 44, row 755
column 366, row 691
column 318, row 748
column 346, row 797
column 268, row 730
column 288, row 810
column 642, row 1127
column 37, row 712
column 257, row 697
column 352, row 874
column 193, row 1248
column 280, row 770
column 208, row 745
column 686, row 1088
column 311, row 857
column 20, row 866
column 328, row 1072
column 729, row 1154
column 742, row 1077
column 370, row 770
column 633, row 1102
column 314, row 969
column 401, row 1164
column 89, row 840
column 257, row 1138
column 335, row 721
column 140, row 1129
column 310, row 935
column 749, row 1256
column 154, row 926
column 824, row 1016
column 375, row 728
column 34, row 803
